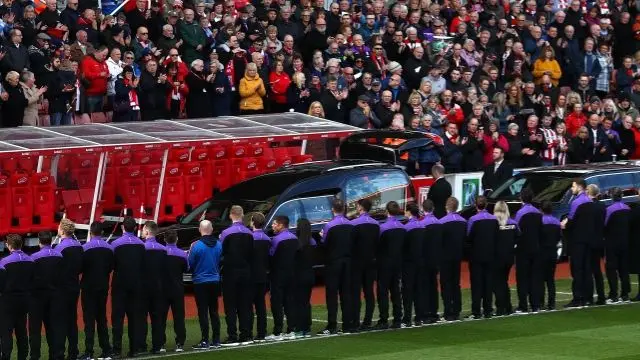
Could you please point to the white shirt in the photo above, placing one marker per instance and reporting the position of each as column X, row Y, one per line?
column 497, row 165
column 115, row 69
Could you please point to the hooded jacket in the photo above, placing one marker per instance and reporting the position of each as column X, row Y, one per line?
column 204, row 260
column 251, row 92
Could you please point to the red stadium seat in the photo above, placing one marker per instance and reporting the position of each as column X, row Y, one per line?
column 202, row 157
column 22, row 201
column 173, row 199
column 120, row 163
column 44, row 208
column 256, row 150
column 194, row 185
column 73, row 205
column 28, row 164
column 109, row 189
column 267, row 164
column 302, row 158
column 221, row 174
column 133, row 191
column 217, row 153
column 245, row 168
column 237, row 151
column 9, row 165
column 6, row 205
column 179, row 155
column 282, row 157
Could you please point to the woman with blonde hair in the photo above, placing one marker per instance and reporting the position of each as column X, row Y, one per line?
column 298, row 95
column 501, row 111
column 504, row 259
column 413, row 106
column 316, row 109
column 547, row 65
column 252, row 91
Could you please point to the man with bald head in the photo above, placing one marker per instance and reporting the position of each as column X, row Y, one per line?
column 204, row 262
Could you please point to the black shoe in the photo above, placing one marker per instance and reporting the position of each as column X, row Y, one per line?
column 601, row 301
column 115, row 354
column 573, row 304
column 327, row 332
column 521, row 310
column 535, row 310
column 86, row 357
column 381, row 325
column 551, row 307
column 396, row 325
column 488, row 315
column 364, row 327
column 230, row 342
column 202, row 345
column 158, row 351
column 106, row 355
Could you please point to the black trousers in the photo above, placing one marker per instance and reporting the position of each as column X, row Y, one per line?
column 580, row 265
column 428, row 294
column 596, row 268
column 94, row 312
column 410, row 291
column 282, row 303
column 617, row 267
column 153, row 308
column 450, row 288
column 548, row 265
column 206, row 295
column 302, row 305
column 175, row 303
column 389, row 284
column 501, row 288
column 362, row 278
column 338, row 278
column 14, row 310
column 481, row 288
column 237, row 293
column 44, row 309
column 260, row 307
column 70, row 322
column 126, row 302
column 529, row 281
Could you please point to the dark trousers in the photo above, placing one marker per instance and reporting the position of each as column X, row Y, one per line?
column 389, row 284
column 362, row 279
column 450, row 287
column 596, row 259
column 206, row 295
column 13, row 312
column 302, row 304
column 70, row 313
column 617, row 267
column 126, row 302
column 260, row 306
column 94, row 312
column 549, row 264
column 501, row 288
column 529, row 281
column 282, row 297
column 580, row 264
column 410, row 291
column 153, row 308
column 338, row 277
column 44, row 309
column 175, row 303
column 237, row 292
column 428, row 294
column 481, row 288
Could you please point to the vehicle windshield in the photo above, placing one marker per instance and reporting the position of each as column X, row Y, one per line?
column 546, row 187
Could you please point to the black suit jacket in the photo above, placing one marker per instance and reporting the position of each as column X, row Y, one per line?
column 439, row 193
column 492, row 179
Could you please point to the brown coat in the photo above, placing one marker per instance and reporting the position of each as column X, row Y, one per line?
column 76, row 51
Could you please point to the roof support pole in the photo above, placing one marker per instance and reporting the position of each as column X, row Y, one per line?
column 98, row 187
column 161, row 185
column 40, row 162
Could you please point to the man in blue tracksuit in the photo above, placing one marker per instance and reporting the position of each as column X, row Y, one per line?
column 204, row 262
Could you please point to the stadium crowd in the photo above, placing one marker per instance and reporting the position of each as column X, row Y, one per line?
column 412, row 258
column 547, row 81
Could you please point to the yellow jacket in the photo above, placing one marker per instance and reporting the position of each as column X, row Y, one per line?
column 541, row 66
column 251, row 92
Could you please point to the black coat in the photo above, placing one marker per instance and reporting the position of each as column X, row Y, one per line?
column 13, row 108
column 414, row 70
column 627, row 141
column 15, row 59
column 220, row 94
column 439, row 192
column 634, row 241
column 472, row 153
column 333, row 109
column 580, row 152
column 295, row 101
column 198, row 96
column 313, row 41
column 492, row 179
column 152, row 96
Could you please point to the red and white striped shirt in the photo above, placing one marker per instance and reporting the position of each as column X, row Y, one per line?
column 551, row 139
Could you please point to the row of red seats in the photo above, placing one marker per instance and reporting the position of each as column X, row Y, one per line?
column 27, row 203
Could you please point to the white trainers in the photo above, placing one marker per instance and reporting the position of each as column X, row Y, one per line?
column 289, row 336
column 274, row 337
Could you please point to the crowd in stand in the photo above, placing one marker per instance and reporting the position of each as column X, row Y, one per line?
column 549, row 82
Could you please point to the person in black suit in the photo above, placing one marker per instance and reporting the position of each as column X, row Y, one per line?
column 440, row 191
column 597, row 246
column 498, row 172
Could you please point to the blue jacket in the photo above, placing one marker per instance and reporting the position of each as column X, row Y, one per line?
column 430, row 155
column 204, row 260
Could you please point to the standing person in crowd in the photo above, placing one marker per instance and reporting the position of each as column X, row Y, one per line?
column 252, row 90
column 529, row 221
column 366, row 232
column 337, row 236
column 440, row 191
column 94, row 76
column 17, row 272
column 506, row 240
column 204, row 262
column 13, row 101
column 389, row 261
column 617, row 226
column 259, row 274
column 305, row 278
column 177, row 265
column 155, row 264
column 44, row 307
column 454, row 229
column 482, row 232
column 432, row 252
column 551, row 235
column 97, row 264
column 126, row 105
column 126, row 287
column 597, row 245
column 237, row 251
column 196, row 83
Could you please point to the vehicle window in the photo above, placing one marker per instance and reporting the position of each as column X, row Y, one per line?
column 379, row 188
column 609, row 181
column 315, row 209
column 217, row 211
column 544, row 187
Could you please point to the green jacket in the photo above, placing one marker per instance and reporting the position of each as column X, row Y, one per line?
column 193, row 36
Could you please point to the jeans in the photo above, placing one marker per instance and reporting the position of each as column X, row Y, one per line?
column 94, row 104
column 60, row 119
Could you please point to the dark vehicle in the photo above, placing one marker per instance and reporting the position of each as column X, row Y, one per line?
column 554, row 184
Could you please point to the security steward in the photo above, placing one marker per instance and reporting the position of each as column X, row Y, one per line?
column 389, row 261
column 16, row 271
column 551, row 236
column 580, row 229
column 71, row 251
column 412, row 263
column 504, row 257
column 617, row 225
column 431, row 262
column 97, row 264
column 337, row 237
column 177, row 265
column 597, row 245
column 237, row 252
column 155, row 264
column 259, row 274
column 482, row 231
column 366, row 232
column 529, row 220
column 454, row 230
column 126, row 287
column 45, row 297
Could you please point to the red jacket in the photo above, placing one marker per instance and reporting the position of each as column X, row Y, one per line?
column 456, row 118
column 90, row 69
column 279, row 85
column 574, row 123
column 489, row 145
column 636, row 138
column 183, row 70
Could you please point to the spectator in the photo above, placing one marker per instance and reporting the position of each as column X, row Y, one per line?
column 94, row 77
column 279, row 82
column 16, row 57
column 220, row 93
column 13, row 101
column 251, row 91
column 298, row 95
column 547, row 65
column 362, row 116
column 193, row 37
column 493, row 139
column 81, row 47
column 126, row 106
column 580, row 148
column 34, row 99
column 575, row 120
column 197, row 83
column 152, row 88
column 176, row 99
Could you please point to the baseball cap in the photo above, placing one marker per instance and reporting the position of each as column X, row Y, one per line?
column 43, row 36
column 364, row 98
column 375, row 82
